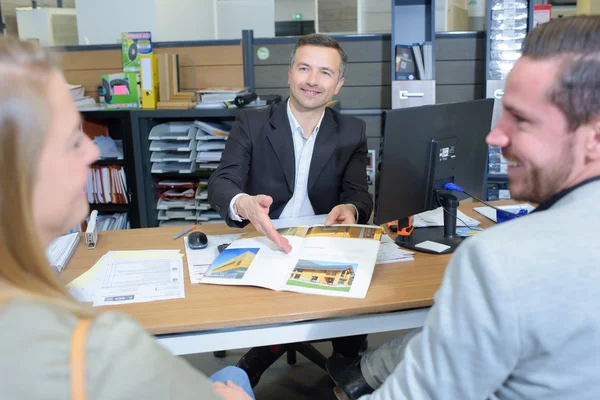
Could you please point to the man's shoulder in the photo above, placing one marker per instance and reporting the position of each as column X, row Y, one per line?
column 344, row 118
column 261, row 114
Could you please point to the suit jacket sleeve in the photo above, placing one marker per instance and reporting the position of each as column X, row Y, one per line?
column 354, row 182
column 230, row 177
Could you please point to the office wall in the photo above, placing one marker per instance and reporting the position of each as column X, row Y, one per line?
column 184, row 20
column 337, row 16
column 286, row 9
column 200, row 65
column 460, row 65
column 374, row 16
column 233, row 17
column 102, row 22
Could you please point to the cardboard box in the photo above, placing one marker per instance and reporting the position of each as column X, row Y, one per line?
column 134, row 45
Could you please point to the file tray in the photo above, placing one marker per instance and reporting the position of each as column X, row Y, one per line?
column 177, row 214
column 209, row 156
column 182, row 168
column 201, row 193
column 173, row 131
column 204, row 145
column 165, row 156
column 172, row 145
column 168, row 204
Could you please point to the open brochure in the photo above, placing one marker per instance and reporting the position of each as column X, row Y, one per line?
column 334, row 261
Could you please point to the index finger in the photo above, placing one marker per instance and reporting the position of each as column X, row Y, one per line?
column 274, row 236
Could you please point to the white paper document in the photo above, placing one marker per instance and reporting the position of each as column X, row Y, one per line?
column 335, row 261
column 199, row 261
column 123, row 277
column 60, row 250
column 436, row 218
column 490, row 213
column 140, row 280
column 391, row 253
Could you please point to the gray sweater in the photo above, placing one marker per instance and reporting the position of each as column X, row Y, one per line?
column 122, row 360
column 517, row 315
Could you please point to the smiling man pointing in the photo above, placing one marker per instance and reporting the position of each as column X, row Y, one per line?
column 297, row 158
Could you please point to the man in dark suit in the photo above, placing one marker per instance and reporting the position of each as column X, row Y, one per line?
column 295, row 159
column 299, row 157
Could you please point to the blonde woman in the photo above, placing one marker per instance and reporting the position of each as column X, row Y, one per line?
column 44, row 157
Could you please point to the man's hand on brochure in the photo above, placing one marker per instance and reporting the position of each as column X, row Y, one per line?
column 256, row 209
column 342, row 214
column 230, row 391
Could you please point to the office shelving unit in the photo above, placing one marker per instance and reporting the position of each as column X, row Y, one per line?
column 142, row 124
column 505, row 33
column 118, row 123
column 413, row 21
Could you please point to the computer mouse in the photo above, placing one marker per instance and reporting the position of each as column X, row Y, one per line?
column 197, row 240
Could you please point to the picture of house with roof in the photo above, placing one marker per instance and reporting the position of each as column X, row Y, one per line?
column 342, row 231
column 324, row 275
column 232, row 263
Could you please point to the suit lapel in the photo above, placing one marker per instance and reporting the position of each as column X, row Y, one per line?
column 327, row 140
column 280, row 137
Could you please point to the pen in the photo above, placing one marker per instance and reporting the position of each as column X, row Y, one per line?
column 180, row 234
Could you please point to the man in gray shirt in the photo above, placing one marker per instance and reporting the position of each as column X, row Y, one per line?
column 516, row 316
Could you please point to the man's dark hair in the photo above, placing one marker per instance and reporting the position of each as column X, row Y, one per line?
column 317, row 39
column 575, row 43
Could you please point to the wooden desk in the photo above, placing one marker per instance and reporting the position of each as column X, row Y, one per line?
column 218, row 317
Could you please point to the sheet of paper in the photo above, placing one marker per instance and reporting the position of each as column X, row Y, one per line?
column 432, row 246
column 391, row 253
column 199, row 261
column 300, row 221
column 137, row 280
column 490, row 213
column 436, row 218
column 85, row 287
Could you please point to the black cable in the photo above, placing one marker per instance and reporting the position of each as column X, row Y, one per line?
column 454, row 216
column 491, row 206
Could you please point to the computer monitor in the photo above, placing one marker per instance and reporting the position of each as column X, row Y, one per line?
column 423, row 149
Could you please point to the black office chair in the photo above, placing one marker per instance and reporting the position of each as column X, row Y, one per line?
column 256, row 361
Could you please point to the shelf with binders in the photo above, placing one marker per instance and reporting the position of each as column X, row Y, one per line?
column 413, row 53
column 112, row 179
column 179, row 150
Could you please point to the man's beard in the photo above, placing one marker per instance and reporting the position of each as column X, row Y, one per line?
column 540, row 184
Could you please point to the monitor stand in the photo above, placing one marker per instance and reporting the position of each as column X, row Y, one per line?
column 443, row 235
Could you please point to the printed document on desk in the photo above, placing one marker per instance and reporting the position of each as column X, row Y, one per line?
column 123, row 277
column 335, row 261
column 436, row 218
column 199, row 261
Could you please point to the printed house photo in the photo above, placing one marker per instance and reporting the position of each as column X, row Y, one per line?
column 232, row 263
column 351, row 232
column 323, row 275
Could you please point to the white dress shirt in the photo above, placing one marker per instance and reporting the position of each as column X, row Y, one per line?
column 299, row 205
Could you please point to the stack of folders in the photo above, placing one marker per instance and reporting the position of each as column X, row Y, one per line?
column 414, row 62
column 184, row 203
column 113, row 222
column 107, row 184
column 173, row 147
column 106, row 222
column 211, row 139
column 61, row 249
column 217, row 97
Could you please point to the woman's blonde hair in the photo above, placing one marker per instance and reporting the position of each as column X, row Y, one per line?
column 25, row 115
